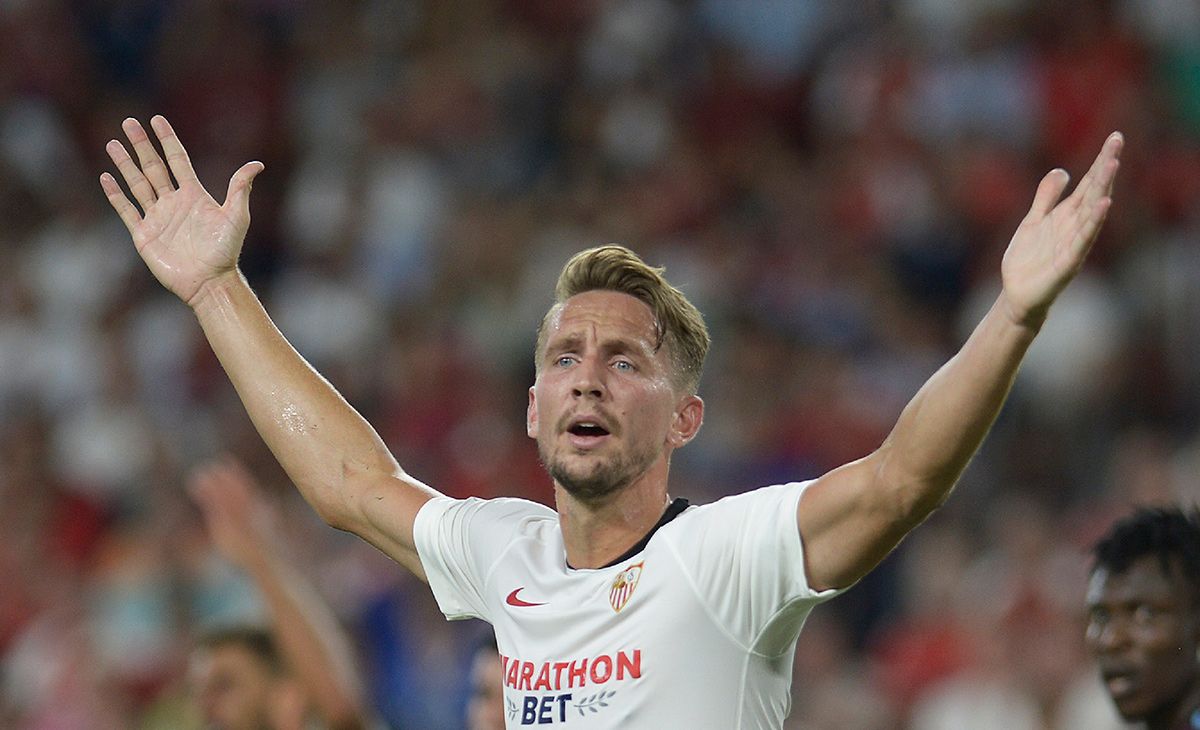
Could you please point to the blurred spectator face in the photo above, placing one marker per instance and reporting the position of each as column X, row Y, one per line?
column 1144, row 631
column 232, row 687
column 485, row 711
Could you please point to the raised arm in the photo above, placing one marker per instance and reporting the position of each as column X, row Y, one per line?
column 244, row 527
column 191, row 244
column 853, row 516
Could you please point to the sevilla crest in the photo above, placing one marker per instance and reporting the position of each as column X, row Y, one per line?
column 622, row 587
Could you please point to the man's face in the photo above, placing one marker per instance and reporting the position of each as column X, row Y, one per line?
column 485, row 711
column 603, row 409
column 232, row 687
column 1144, row 630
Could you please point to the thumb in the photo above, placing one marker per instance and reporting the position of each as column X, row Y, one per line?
column 1049, row 192
column 237, row 199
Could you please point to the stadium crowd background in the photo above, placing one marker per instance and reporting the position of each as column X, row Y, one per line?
column 833, row 183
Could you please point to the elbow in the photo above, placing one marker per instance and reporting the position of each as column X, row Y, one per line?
column 328, row 501
column 912, row 497
column 335, row 518
column 916, row 500
column 927, row 500
column 340, row 496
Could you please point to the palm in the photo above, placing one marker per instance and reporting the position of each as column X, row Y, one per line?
column 186, row 239
column 183, row 235
column 1055, row 237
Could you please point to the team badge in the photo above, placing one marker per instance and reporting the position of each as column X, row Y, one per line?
column 622, row 587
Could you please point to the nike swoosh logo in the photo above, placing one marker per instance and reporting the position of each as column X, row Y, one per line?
column 513, row 600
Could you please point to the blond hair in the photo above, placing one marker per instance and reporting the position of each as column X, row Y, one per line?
column 679, row 325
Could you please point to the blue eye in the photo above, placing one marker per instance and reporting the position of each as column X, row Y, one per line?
column 564, row 361
column 623, row 365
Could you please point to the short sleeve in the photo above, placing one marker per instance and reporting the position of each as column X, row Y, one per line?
column 458, row 542
column 745, row 559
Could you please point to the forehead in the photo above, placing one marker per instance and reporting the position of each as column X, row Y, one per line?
column 605, row 314
column 1143, row 580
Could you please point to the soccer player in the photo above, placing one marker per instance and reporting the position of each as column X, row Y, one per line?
column 297, row 672
column 621, row 607
column 1143, row 608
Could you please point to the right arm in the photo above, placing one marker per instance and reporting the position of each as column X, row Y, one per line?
column 191, row 244
column 330, row 452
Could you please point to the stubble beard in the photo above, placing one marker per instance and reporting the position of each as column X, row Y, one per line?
column 602, row 479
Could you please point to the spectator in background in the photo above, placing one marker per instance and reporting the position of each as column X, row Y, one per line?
column 485, row 709
column 299, row 670
column 1143, row 628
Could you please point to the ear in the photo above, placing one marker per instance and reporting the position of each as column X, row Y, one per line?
column 689, row 416
column 531, row 416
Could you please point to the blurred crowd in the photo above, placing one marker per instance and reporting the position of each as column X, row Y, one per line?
column 833, row 183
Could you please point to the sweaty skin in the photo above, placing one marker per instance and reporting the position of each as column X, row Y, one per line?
column 607, row 418
column 602, row 411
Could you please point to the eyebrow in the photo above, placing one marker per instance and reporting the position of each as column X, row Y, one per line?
column 617, row 346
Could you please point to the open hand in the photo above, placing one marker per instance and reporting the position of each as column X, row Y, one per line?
column 182, row 234
column 239, row 520
column 1054, row 238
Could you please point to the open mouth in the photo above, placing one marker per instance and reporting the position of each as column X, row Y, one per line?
column 1119, row 682
column 587, row 429
column 588, row 432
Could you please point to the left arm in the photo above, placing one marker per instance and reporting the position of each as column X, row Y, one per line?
column 244, row 526
column 852, row 517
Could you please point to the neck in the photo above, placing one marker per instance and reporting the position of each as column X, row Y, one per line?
column 597, row 534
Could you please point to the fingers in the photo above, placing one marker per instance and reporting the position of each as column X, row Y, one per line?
column 177, row 156
column 141, row 188
column 148, row 178
column 1098, row 182
column 1111, row 152
column 223, row 483
column 1092, row 199
column 1089, row 227
column 237, row 198
column 151, row 164
column 1049, row 191
column 116, row 198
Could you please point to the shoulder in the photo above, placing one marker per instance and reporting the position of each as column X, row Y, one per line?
column 508, row 510
column 766, row 514
column 774, row 496
column 468, row 536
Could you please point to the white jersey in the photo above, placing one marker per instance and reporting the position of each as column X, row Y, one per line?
column 696, row 630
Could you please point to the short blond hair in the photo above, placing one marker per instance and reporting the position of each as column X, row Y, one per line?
column 680, row 326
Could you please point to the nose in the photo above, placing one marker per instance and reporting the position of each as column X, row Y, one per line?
column 1108, row 635
column 589, row 379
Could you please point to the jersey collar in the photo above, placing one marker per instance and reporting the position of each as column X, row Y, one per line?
column 674, row 509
